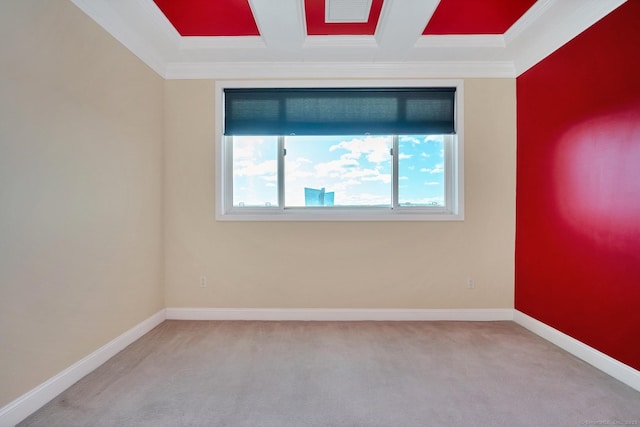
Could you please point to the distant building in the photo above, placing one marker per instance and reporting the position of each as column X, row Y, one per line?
column 314, row 197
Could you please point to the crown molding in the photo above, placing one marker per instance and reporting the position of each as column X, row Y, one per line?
column 102, row 12
column 534, row 13
column 321, row 70
column 205, row 43
column 283, row 52
column 548, row 28
column 339, row 42
column 159, row 22
column 461, row 41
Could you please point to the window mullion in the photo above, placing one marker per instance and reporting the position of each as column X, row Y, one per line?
column 281, row 154
column 394, row 172
column 227, row 172
column 449, row 197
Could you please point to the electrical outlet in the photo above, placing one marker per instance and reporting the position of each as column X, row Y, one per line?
column 471, row 283
column 203, row 281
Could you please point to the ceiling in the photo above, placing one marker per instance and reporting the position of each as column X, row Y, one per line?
column 344, row 38
column 213, row 18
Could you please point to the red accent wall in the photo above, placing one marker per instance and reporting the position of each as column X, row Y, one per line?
column 578, row 187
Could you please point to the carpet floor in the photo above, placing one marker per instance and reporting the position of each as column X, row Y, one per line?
column 232, row 373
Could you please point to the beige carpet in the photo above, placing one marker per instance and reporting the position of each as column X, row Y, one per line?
column 188, row 373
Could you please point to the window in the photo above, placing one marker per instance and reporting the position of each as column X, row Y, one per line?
column 334, row 151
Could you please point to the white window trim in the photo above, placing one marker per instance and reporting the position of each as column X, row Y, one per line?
column 455, row 169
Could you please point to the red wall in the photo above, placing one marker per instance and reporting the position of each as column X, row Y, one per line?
column 578, row 187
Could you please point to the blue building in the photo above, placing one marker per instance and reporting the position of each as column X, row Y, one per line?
column 315, row 197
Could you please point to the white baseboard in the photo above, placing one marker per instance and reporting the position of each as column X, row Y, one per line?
column 338, row 314
column 33, row 400
column 607, row 364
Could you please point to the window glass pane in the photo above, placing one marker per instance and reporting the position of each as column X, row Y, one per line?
column 255, row 171
column 337, row 171
column 421, row 170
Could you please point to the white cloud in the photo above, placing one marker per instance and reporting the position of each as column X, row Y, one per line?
column 357, row 172
column 375, row 148
column 247, row 158
column 423, row 154
column 411, row 139
column 343, row 185
column 403, row 178
column 301, row 160
column 403, row 156
column 383, row 177
column 335, row 168
column 249, row 168
column 247, row 147
column 432, row 183
column 299, row 174
column 439, row 168
column 298, row 168
column 362, row 199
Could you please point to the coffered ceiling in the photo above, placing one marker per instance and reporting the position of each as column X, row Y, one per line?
column 344, row 38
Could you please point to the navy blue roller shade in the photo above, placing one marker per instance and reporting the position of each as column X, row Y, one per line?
column 339, row 111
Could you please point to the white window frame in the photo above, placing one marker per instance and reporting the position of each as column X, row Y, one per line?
column 454, row 166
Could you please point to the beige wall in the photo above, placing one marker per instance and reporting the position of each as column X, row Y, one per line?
column 81, row 207
column 340, row 264
column 80, row 191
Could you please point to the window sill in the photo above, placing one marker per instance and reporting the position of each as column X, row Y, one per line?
column 339, row 214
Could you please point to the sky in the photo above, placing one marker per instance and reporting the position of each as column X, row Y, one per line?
column 358, row 169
